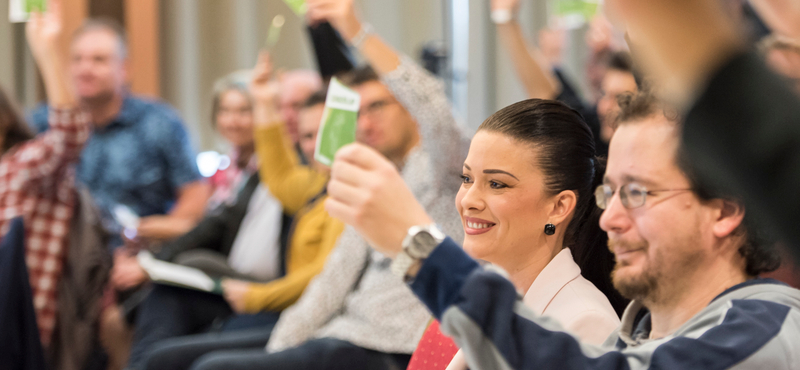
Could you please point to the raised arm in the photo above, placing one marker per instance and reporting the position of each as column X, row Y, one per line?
column 44, row 156
column 533, row 69
column 279, row 166
column 422, row 94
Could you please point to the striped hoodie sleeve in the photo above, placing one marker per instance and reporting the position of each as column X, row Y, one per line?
column 482, row 311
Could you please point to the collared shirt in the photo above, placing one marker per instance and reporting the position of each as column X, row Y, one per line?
column 37, row 182
column 140, row 159
column 356, row 298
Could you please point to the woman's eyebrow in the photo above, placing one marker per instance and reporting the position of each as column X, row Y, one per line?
column 499, row 171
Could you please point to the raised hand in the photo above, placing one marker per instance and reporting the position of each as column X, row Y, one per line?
column 341, row 14
column 265, row 91
column 44, row 30
column 367, row 192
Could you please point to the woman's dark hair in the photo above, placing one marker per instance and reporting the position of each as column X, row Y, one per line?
column 565, row 152
column 12, row 125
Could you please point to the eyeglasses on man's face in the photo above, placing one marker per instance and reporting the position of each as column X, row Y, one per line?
column 632, row 195
column 375, row 108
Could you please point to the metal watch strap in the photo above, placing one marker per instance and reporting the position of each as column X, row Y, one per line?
column 411, row 253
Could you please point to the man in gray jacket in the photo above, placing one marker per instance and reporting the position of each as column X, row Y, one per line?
column 689, row 258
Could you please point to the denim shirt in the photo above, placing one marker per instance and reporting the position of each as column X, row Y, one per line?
column 141, row 159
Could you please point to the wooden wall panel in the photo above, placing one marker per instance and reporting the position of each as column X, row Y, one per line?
column 142, row 24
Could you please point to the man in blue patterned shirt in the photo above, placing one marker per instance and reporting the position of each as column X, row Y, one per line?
column 139, row 154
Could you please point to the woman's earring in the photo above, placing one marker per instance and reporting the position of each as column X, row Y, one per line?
column 549, row 229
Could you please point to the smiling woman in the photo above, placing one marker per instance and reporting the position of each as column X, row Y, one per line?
column 527, row 194
column 232, row 117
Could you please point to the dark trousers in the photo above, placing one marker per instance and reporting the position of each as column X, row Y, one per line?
column 180, row 353
column 316, row 354
column 170, row 312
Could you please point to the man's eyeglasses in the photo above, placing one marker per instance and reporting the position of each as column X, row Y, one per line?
column 632, row 195
column 375, row 108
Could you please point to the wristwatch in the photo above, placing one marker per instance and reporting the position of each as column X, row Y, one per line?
column 418, row 244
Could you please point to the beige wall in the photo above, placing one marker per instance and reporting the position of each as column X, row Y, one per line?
column 202, row 40
column 6, row 51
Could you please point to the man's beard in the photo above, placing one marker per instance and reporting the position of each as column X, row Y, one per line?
column 636, row 287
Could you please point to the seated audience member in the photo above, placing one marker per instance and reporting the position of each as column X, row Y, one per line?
column 301, row 191
column 602, row 40
column 240, row 239
column 232, row 117
column 730, row 96
column 687, row 257
column 355, row 314
column 543, row 81
column 38, row 184
column 139, row 154
column 505, row 194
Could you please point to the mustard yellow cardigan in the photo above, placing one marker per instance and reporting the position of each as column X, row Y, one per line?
column 315, row 232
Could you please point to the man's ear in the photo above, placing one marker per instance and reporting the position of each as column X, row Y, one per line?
column 730, row 217
column 563, row 205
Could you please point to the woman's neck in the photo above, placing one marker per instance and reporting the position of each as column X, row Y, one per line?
column 523, row 272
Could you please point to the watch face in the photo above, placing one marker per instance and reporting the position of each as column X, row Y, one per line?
column 422, row 244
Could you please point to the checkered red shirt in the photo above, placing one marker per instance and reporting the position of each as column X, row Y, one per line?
column 37, row 182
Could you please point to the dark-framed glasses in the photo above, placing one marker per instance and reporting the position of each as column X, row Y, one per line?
column 632, row 195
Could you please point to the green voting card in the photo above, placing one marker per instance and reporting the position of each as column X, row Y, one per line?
column 34, row 6
column 585, row 8
column 299, row 7
column 338, row 126
column 20, row 10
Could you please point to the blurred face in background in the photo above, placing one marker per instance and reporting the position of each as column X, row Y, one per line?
column 383, row 123
column 234, row 119
column 295, row 88
column 615, row 82
column 308, row 127
column 97, row 66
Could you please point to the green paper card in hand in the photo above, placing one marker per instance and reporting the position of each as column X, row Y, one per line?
column 338, row 126
column 299, row 7
column 20, row 10
column 34, row 6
